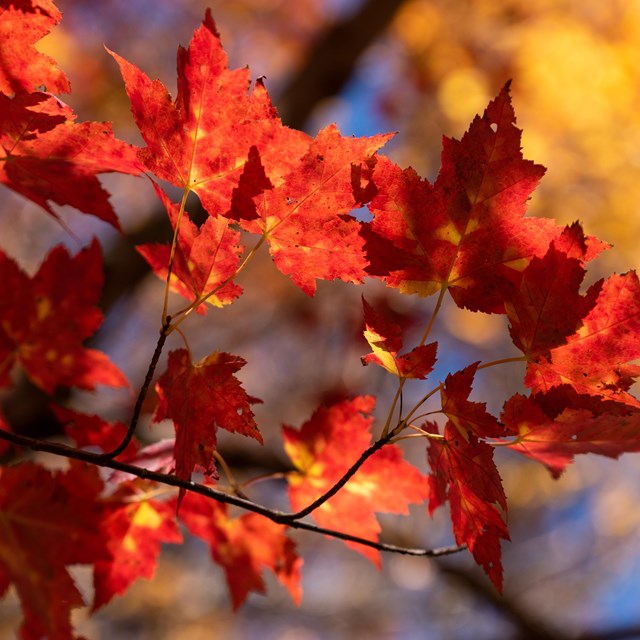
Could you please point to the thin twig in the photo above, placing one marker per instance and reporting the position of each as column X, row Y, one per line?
column 142, row 394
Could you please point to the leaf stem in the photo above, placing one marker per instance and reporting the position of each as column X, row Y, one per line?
column 441, row 295
column 235, row 486
column 494, row 363
column 174, row 244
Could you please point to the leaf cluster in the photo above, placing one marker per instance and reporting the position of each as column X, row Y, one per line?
column 222, row 140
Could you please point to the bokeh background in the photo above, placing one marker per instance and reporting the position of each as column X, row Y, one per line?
column 423, row 68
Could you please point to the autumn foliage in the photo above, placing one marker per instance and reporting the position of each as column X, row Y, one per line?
column 466, row 234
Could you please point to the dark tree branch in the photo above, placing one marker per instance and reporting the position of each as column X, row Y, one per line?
column 280, row 517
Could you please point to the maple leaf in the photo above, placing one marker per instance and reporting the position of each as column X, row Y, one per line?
column 200, row 398
column 22, row 67
column 466, row 416
column 597, row 358
column 385, row 338
column 47, row 157
column 463, row 472
column 325, row 447
column 466, row 232
column 243, row 547
column 305, row 217
column 93, row 431
column 554, row 427
column 134, row 527
column 548, row 306
column 203, row 139
column 205, row 259
column 48, row 521
column 44, row 319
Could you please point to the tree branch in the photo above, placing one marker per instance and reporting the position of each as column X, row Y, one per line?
column 164, row 332
column 280, row 517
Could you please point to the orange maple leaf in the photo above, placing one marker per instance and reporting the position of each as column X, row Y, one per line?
column 243, row 546
column 47, row 157
column 22, row 66
column 203, row 139
column 205, row 259
column 325, row 447
column 305, row 216
column 133, row 526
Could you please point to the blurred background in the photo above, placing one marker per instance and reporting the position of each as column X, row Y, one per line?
column 423, row 68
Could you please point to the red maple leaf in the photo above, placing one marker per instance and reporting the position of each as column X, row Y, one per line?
column 305, row 217
column 203, row 139
column 133, row 526
column 205, row 259
column 325, row 447
column 95, row 432
column 200, row 398
column 243, row 547
column 598, row 358
column 48, row 521
column 554, row 427
column 44, row 319
column 466, row 416
column 47, row 157
column 385, row 338
column 463, row 472
column 548, row 307
column 466, row 232
column 22, row 67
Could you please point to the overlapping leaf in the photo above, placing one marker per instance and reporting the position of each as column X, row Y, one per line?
column 134, row 527
column 466, row 232
column 385, row 339
column 44, row 319
column 547, row 307
column 244, row 546
column 463, row 472
column 468, row 417
column 598, row 359
column 205, row 259
column 325, row 447
column 22, row 67
column 554, row 427
column 47, row 157
column 48, row 521
column 305, row 217
column 200, row 398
